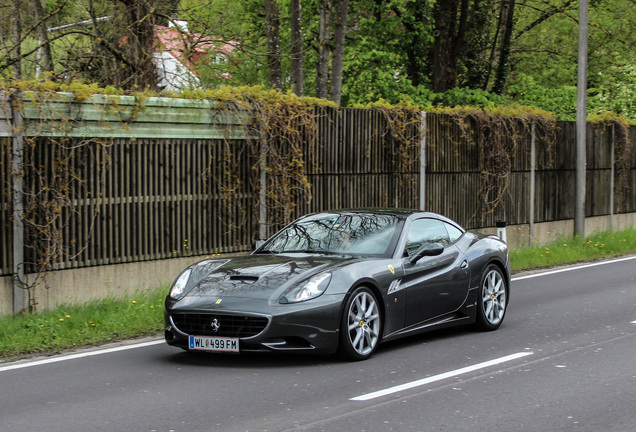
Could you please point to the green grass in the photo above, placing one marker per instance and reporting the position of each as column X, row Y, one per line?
column 97, row 322
column 574, row 249
column 116, row 319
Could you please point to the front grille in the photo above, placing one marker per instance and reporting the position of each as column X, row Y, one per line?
column 228, row 325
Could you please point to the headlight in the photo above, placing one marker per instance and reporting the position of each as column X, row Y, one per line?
column 313, row 288
column 180, row 284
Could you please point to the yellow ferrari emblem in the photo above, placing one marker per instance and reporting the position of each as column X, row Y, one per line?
column 392, row 269
column 219, row 301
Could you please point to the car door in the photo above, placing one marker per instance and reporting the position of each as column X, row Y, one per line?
column 435, row 285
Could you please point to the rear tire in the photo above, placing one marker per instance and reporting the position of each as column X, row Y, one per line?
column 493, row 299
column 360, row 325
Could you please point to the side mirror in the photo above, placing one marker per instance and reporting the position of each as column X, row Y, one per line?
column 427, row 249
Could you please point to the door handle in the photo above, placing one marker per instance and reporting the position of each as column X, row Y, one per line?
column 464, row 264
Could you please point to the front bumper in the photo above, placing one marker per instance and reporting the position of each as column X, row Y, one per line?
column 310, row 326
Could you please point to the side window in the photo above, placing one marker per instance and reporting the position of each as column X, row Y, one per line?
column 453, row 232
column 426, row 230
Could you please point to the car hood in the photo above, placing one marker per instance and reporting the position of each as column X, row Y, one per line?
column 255, row 276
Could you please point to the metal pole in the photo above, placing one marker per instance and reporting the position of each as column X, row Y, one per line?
column 612, row 177
column 581, row 125
column 423, row 161
column 17, row 157
column 533, row 161
column 262, row 194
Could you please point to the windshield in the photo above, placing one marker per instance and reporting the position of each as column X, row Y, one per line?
column 336, row 233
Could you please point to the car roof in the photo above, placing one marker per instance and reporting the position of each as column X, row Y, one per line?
column 400, row 212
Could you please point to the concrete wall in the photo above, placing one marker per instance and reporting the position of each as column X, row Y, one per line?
column 518, row 236
column 77, row 286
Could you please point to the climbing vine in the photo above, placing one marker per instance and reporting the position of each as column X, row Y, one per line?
column 623, row 151
column 498, row 133
column 55, row 182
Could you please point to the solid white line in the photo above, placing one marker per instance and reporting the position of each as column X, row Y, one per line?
column 79, row 355
column 534, row 275
column 439, row 377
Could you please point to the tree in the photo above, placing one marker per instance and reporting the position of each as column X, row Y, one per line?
column 340, row 31
column 297, row 50
column 506, row 22
column 44, row 47
column 324, row 36
column 478, row 40
column 15, row 52
column 273, row 44
column 138, row 68
column 450, row 26
column 415, row 17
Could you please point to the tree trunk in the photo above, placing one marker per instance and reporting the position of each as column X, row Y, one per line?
column 476, row 44
column 140, row 33
column 508, row 9
column 16, row 36
column 450, row 30
column 98, row 40
column 297, row 55
column 324, row 34
column 273, row 44
column 45, row 63
column 340, row 31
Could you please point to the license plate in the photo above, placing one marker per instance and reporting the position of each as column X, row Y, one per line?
column 214, row 343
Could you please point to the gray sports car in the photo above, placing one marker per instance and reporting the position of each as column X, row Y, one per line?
column 342, row 281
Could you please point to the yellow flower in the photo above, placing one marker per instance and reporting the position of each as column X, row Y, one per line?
column 61, row 319
column 565, row 244
column 68, row 316
column 134, row 301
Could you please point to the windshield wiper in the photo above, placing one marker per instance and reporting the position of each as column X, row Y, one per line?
column 311, row 251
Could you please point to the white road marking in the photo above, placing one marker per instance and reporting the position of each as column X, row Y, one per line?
column 579, row 267
column 633, row 322
column 439, row 377
column 78, row 355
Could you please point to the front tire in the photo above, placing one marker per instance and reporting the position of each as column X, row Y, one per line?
column 493, row 299
column 360, row 325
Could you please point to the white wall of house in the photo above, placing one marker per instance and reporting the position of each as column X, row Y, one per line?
column 173, row 75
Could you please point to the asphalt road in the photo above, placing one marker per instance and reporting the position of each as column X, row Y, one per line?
column 562, row 361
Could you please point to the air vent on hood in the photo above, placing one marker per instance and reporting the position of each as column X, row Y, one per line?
column 246, row 278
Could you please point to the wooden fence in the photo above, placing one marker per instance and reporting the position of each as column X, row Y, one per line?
column 181, row 179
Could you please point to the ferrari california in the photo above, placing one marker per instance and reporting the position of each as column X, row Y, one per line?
column 342, row 282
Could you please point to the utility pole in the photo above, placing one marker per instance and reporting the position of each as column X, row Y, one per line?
column 17, row 156
column 581, row 122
